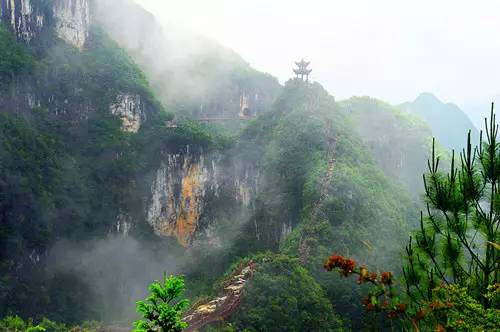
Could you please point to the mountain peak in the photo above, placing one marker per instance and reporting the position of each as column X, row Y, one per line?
column 427, row 97
column 447, row 120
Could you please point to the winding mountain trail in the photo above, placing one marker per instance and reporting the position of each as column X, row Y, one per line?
column 221, row 307
column 316, row 212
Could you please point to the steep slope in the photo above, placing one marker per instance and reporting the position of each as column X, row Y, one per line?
column 448, row 122
column 363, row 213
column 191, row 74
column 304, row 142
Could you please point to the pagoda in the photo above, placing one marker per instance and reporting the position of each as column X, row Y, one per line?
column 302, row 72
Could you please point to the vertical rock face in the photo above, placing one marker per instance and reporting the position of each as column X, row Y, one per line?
column 130, row 110
column 24, row 18
column 244, row 104
column 254, row 102
column 123, row 224
column 27, row 18
column 246, row 183
column 72, row 21
column 184, row 184
column 178, row 194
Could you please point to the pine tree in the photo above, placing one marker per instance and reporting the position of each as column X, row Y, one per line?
column 457, row 242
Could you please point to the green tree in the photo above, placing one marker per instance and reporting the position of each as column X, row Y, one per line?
column 456, row 240
column 162, row 310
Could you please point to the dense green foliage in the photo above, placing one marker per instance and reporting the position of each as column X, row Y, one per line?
column 14, row 58
column 17, row 324
column 282, row 296
column 453, row 309
column 162, row 310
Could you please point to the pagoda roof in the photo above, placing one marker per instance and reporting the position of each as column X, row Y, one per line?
column 302, row 71
column 302, row 63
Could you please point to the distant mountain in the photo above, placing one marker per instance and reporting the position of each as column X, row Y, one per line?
column 448, row 122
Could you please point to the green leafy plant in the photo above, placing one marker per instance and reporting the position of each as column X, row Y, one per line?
column 17, row 324
column 162, row 310
column 12, row 323
column 453, row 309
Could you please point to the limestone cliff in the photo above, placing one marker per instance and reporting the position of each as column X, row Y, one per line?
column 24, row 19
column 183, row 186
column 129, row 109
column 27, row 19
column 177, row 194
column 72, row 21
column 246, row 184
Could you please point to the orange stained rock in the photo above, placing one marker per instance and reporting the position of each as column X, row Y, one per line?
column 187, row 221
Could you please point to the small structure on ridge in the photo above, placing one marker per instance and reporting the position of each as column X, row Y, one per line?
column 302, row 71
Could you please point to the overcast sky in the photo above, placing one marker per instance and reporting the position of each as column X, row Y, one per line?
column 389, row 49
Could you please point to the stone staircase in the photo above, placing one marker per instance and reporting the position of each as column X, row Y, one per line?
column 221, row 307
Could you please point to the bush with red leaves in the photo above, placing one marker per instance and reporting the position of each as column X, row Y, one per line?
column 382, row 297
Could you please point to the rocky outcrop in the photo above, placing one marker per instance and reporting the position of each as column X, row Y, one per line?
column 187, row 186
column 123, row 224
column 178, row 194
column 27, row 18
column 246, row 182
column 254, row 102
column 72, row 21
column 129, row 109
column 24, row 18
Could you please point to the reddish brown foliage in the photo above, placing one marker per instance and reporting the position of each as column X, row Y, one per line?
column 380, row 298
column 345, row 265
column 386, row 278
